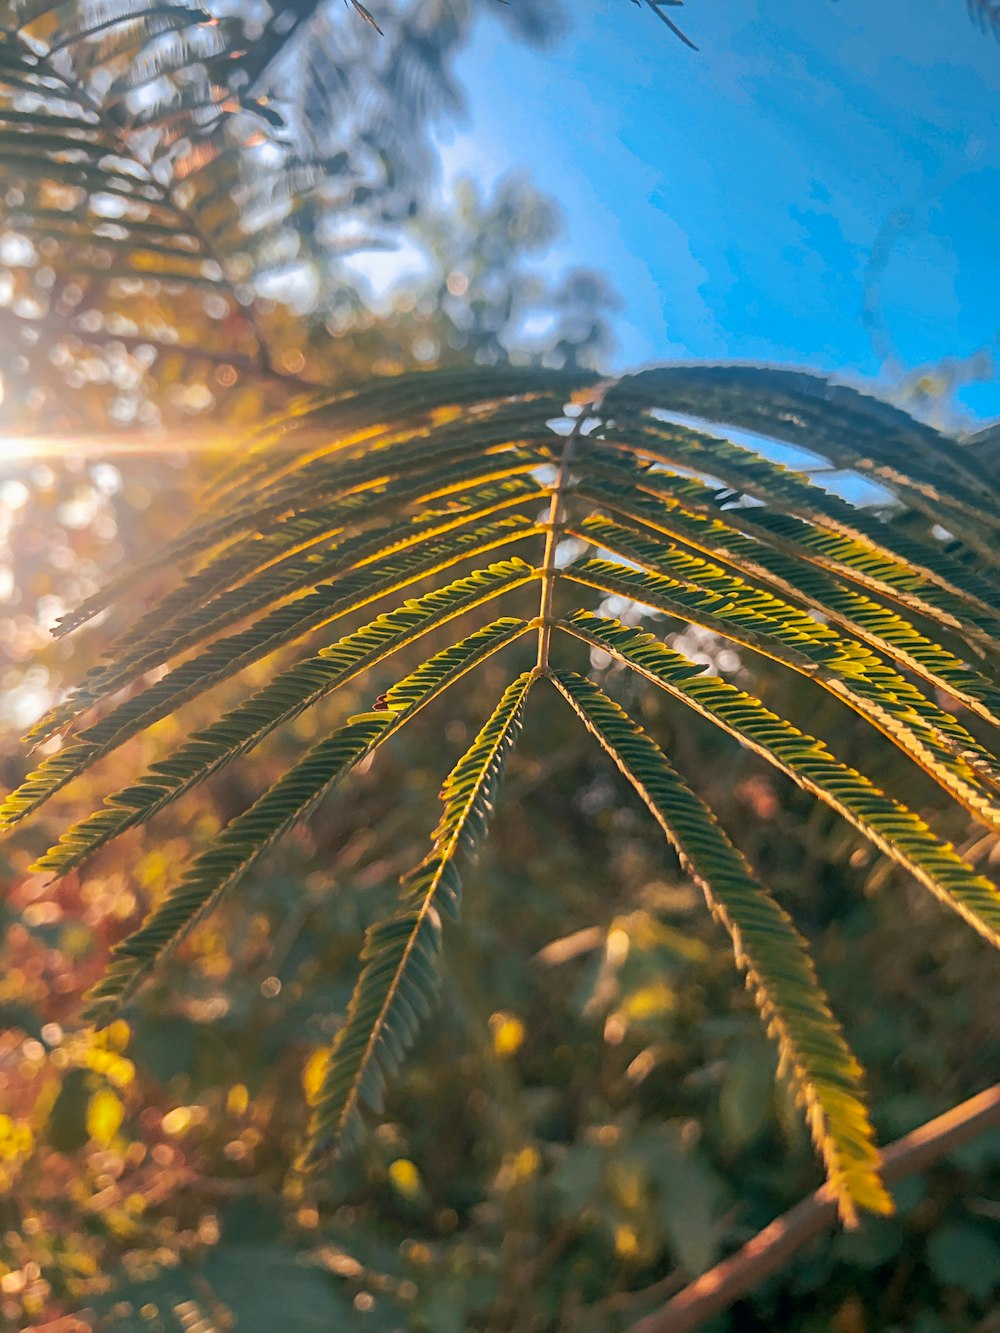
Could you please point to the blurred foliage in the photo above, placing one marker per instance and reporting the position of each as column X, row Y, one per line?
column 593, row 1113
column 178, row 242
column 594, row 1119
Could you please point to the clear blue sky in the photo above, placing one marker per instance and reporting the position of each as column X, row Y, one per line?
column 734, row 195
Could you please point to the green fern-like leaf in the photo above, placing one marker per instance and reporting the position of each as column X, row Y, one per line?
column 898, row 832
column 883, row 628
column 290, row 622
column 921, row 729
column 247, row 838
column 300, row 687
column 400, row 955
column 585, row 492
column 768, row 948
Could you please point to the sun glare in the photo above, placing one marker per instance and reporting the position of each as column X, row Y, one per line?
column 40, row 448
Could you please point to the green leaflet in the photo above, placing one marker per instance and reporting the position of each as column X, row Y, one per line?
column 293, row 690
column 894, row 829
column 242, row 842
column 689, row 502
column 779, row 971
column 345, row 500
column 363, row 555
column 225, row 658
column 795, row 624
column 869, row 620
column 366, row 458
column 291, row 538
column 372, row 410
column 889, row 702
column 396, row 462
column 791, row 493
column 399, row 977
column 852, row 429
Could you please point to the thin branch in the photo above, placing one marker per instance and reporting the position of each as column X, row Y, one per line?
column 623, row 1302
column 771, row 1248
column 657, row 7
column 554, row 525
column 167, row 193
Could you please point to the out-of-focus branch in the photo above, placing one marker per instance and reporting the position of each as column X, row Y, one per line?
column 717, row 1289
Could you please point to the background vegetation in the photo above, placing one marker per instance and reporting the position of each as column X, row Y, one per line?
column 594, row 1117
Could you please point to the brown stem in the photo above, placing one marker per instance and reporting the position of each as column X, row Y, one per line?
column 554, row 525
column 167, row 193
column 770, row 1249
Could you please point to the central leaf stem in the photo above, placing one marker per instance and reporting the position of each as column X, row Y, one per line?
column 554, row 525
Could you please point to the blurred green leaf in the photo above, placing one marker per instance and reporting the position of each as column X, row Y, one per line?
column 260, row 1287
column 577, row 1178
column 67, row 1124
column 747, row 1093
column 966, row 1256
column 689, row 1196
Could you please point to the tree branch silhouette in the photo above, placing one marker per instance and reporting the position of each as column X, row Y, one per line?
column 771, row 1248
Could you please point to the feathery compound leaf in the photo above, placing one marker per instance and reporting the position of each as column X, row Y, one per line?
column 387, row 465
column 224, row 659
column 341, row 501
column 288, row 553
column 779, row 971
column 250, row 834
column 399, row 979
column 792, row 625
column 369, row 556
column 894, row 829
column 932, row 738
column 301, row 686
column 852, row 429
column 869, row 620
column 790, row 493
column 690, row 507
column 382, row 412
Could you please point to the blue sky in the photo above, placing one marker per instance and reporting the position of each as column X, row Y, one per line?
column 734, row 196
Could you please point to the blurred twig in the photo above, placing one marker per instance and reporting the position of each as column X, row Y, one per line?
column 771, row 1248
column 657, row 6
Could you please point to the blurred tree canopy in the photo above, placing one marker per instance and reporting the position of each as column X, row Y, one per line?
column 595, row 1119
